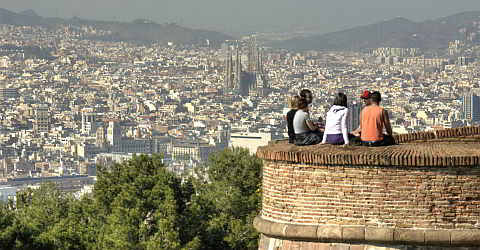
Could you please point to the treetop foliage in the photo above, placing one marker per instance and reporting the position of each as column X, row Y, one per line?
column 139, row 204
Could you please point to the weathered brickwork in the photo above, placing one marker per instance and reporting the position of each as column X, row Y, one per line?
column 423, row 192
column 471, row 133
column 413, row 197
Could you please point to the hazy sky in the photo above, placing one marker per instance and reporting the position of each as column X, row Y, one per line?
column 323, row 15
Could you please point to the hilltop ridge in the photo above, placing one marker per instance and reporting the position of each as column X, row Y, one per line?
column 396, row 32
column 148, row 31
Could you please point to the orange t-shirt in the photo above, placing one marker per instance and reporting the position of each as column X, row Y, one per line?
column 372, row 121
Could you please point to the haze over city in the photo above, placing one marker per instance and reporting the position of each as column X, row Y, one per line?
column 256, row 125
column 249, row 16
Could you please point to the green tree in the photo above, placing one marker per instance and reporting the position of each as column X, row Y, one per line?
column 143, row 205
column 139, row 204
column 228, row 200
column 36, row 214
column 7, row 231
column 80, row 228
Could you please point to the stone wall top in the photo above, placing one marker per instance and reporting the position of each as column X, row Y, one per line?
column 470, row 133
column 362, row 234
column 450, row 147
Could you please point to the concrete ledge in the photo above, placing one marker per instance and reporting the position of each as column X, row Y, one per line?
column 401, row 235
column 353, row 233
column 363, row 234
column 437, row 237
column 379, row 234
column 329, row 232
column 466, row 237
column 279, row 229
column 301, row 231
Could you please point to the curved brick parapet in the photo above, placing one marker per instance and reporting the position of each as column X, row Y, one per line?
column 420, row 154
column 414, row 193
column 450, row 134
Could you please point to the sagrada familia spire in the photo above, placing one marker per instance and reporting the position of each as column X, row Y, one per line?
column 236, row 78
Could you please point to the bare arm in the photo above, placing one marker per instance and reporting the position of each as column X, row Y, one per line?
column 388, row 126
column 344, row 128
column 324, row 139
column 311, row 125
column 359, row 129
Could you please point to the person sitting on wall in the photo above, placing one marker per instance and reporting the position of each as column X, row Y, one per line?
column 336, row 125
column 307, row 95
column 306, row 131
column 294, row 100
column 372, row 121
column 366, row 102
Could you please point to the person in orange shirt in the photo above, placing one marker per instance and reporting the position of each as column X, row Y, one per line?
column 366, row 102
column 373, row 119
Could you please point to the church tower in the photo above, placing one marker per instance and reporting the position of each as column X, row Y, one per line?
column 238, row 70
column 229, row 75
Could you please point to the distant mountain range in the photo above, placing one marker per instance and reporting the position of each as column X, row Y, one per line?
column 397, row 32
column 139, row 30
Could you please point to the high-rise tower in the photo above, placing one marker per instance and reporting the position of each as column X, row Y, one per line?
column 42, row 118
column 89, row 123
column 471, row 107
column 354, row 110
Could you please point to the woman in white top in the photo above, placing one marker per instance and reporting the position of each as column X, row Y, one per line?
column 336, row 124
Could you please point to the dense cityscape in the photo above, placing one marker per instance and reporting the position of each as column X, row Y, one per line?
column 70, row 104
column 263, row 125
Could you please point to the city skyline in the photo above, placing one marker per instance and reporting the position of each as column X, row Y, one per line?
column 128, row 130
column 233, row 17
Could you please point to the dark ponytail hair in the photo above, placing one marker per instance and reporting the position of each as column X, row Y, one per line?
column 340, row 100
column 304, row 92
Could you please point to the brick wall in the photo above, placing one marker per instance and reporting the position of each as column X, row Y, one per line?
column 424, row 192
column 400, row 197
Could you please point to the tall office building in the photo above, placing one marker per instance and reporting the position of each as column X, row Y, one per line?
column 471, row 107
column 89, row 123
column 42, row 118
column 354, row 109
